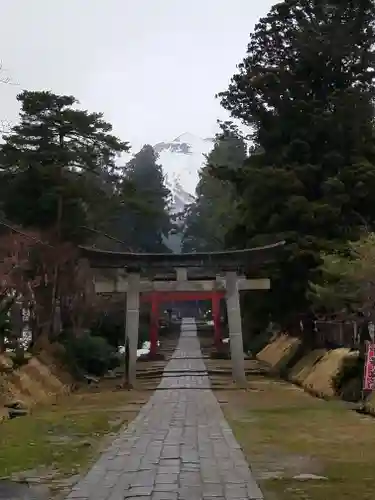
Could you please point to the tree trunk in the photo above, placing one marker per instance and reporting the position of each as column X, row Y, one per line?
column 43, row 310
column 17, row 320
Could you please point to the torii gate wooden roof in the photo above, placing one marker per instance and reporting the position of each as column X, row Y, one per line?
column 230, row 260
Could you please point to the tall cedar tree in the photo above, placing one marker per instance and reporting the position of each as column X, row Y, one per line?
column 306, row 89
column 143, row 220
column 56, row 163
column 209, row 218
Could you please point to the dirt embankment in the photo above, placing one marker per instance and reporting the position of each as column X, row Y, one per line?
column 40, row 380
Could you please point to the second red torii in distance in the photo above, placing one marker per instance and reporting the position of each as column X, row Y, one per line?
column 157, row 298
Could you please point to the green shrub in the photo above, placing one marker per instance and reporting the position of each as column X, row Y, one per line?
column 90, row 354
column 352, row 368
column 111, row 327
column 352, row 390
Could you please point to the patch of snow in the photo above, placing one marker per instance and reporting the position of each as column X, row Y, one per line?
column 142, row 352
column 309, row 477
column 145, row 349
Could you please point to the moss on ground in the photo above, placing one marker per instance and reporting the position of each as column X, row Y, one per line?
column 285, row 432
column 66, row 437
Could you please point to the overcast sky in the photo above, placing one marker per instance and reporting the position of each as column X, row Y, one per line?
column 151, row 66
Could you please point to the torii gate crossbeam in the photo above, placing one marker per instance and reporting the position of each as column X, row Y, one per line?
column 183, row 289
column 231, row 262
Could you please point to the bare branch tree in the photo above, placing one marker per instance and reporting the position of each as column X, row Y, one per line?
column 5, row 125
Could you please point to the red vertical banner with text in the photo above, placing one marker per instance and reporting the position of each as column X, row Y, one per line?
column 369, row 374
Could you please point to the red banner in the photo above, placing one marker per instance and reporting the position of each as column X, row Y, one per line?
column 369, row 375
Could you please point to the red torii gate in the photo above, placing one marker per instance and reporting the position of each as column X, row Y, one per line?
column 156, row 298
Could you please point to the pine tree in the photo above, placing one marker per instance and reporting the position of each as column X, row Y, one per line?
column 56, row 162
column 306, row 89
column 209, row 218
column 144, row 217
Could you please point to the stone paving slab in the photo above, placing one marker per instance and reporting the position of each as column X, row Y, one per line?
column 178, row 447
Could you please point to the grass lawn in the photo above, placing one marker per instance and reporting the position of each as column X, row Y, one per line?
column 285, row 433
column 60, row 441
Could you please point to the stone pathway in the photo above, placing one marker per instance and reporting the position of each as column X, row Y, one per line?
column 179, row 447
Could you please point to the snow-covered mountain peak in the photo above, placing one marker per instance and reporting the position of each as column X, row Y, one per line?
column 181, row 159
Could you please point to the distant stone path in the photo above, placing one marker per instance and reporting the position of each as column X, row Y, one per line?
column 179, row 447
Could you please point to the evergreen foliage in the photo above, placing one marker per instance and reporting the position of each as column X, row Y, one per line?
column 210, row 217
column 305, row 88
column 56, row 163
column 143, row 218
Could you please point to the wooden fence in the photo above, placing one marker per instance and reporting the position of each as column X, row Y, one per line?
column 351, row 334
column 338, row 333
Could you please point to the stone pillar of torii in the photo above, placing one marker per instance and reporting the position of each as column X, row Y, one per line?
column 231, row 284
